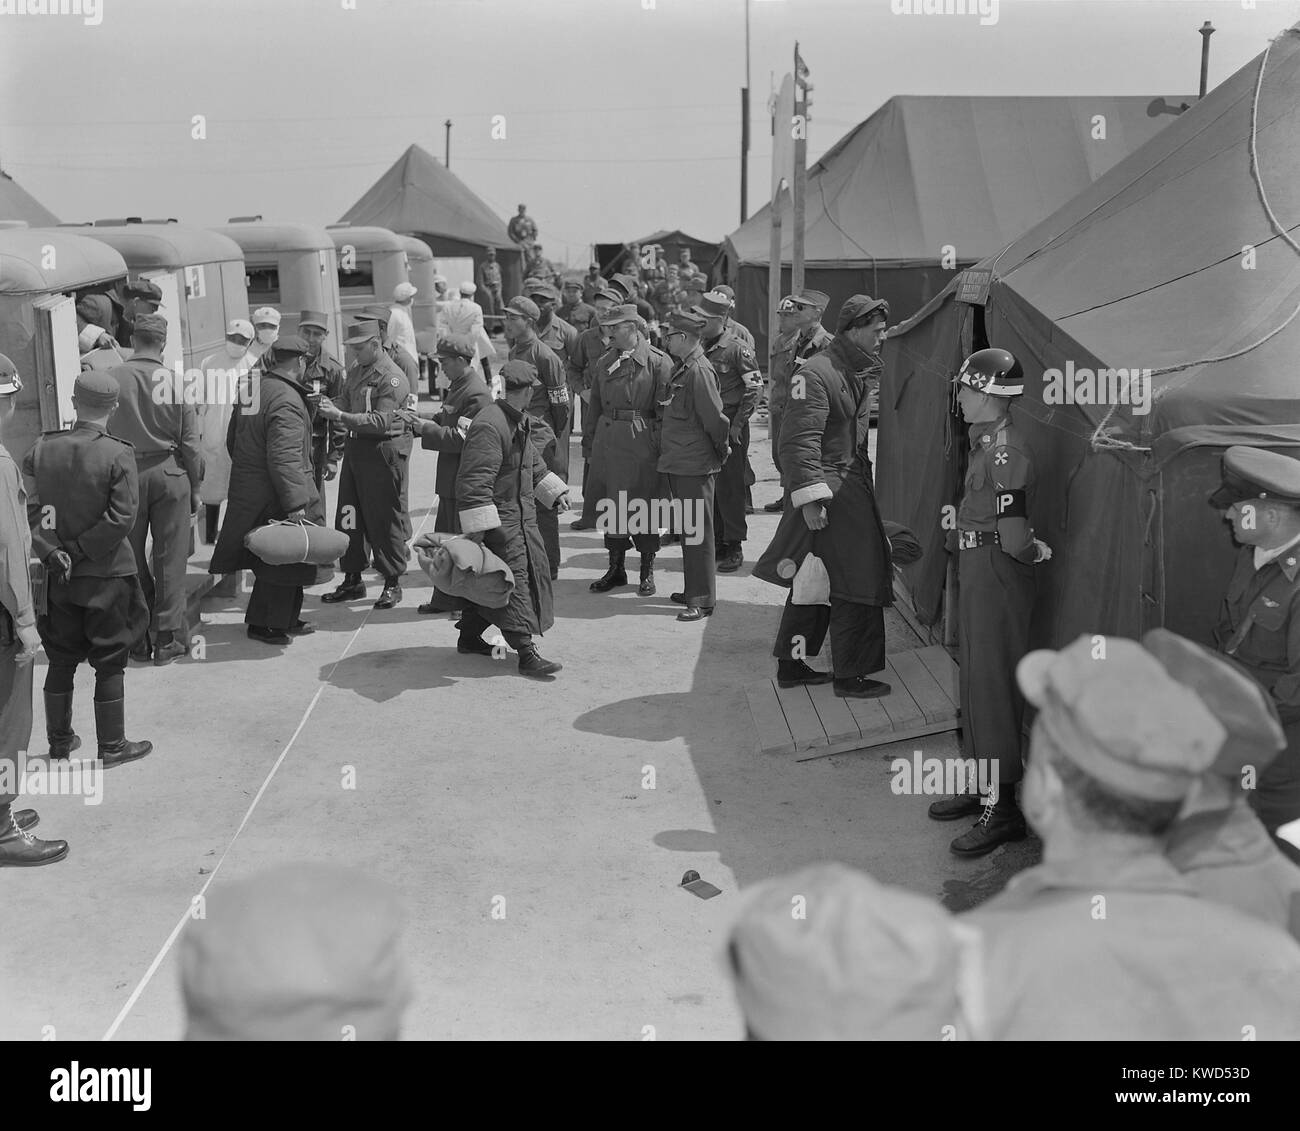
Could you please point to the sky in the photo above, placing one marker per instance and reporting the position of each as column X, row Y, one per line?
column 620, row 116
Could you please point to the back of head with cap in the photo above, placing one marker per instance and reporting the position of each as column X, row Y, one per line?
column 827, row 953
column 306, row 952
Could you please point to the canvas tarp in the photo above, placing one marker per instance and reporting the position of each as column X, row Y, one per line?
column 16, row 203
column 1169, row 260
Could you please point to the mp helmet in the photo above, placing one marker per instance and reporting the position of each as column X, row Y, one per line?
column 992, row 371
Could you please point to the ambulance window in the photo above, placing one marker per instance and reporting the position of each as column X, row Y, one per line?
column 263, row 286
column 359, row 281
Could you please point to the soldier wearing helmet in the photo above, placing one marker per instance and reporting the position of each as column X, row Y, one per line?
column 996, row 553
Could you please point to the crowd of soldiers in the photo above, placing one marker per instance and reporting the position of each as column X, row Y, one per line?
column 1161, row 774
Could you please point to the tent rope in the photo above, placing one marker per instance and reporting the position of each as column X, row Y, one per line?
column 1102, row 441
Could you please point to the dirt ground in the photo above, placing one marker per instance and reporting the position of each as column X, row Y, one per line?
column 374, row 744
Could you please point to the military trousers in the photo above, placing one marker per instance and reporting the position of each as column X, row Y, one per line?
column 857, row 634
column 699, row 562
column 164, row 516
column 15, row 714
column 95, row 620
column 774, row 418
column 995, row 600
column 369, row 507
column 729, row 522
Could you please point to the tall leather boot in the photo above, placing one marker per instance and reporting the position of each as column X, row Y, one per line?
column 615, row 576
column 58, row 724
column 647, row 586
column 110, row 729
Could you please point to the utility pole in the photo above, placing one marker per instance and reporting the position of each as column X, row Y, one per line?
column 800, row 184
column 446, row 159
column 744, row 129
column 1207, row 30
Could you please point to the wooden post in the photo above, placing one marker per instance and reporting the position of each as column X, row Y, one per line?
column 800, row 179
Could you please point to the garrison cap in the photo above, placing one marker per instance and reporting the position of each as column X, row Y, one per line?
column 377, row 312
column 863, row 962
column 525, row 307
column 286, row 348
column 519, row 374
column 456, row 345
column 625, row 313
column 1240, row 704
column 689, row 321
column 317, row 318
column 610, row 295
column 10, row 382
column 540, row 289
column 95, row 309
column 573, row 279
column 715, row 305
column 819, row 300
column 624, row 283
column 301, row 952
column 150, row 324
column 142, row 289
column 1253, row 473
column 1113, row 710
column 859, row 306
column 97, row 388
column 266, row 316
column 361, row 331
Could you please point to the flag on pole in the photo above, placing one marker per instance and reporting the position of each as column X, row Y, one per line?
column 801, row 71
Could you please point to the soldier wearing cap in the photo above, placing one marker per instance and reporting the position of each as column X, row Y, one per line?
column 271, row 479
column 165, row 437
column 134, row 299
column 739, row 384
column 591, row 282
column 1105, row 940
column 322, row 376
column 1259, row 624
column 554, row 331
column 584, row 365
column 1217, row 842
column 95, row 341
column 827, row 472
column 489, row 281
column 740, row 331
column 574, row 309
column 625, row 419
column 861, row 962
column 371, row 508
column 996, row 554
column 549, row 408
column 800, row 336
column 19, row 643
column 463, row 316
column 692, row 448
column 501, row 480
column 226, row 374
column 86, row 481
column 411, row 371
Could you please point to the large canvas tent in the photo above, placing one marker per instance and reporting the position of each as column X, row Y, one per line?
column 1171, row 263
column 610, row 255
column 16, row 203
column 927, row 177
column 418, row 196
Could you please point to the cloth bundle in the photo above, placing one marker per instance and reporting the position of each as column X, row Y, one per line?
column 463, row 568
column 281, row 542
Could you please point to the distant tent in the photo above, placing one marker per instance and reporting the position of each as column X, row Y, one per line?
column 420, row 197
column 16, row 203
column 1168, row 262
column 928, row 177
column 703, row 253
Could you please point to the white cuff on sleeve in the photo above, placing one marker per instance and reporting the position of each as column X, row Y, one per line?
column 479, row 518
column 549, row 488
column 813, row 493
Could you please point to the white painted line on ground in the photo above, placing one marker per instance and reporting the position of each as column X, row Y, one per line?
column 185, row 918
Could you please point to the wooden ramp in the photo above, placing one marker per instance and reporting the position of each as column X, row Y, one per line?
column 813, row 722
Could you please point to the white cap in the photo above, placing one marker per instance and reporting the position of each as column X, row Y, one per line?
column 467, row 288
column 241, row 327
column 267, row 314
column 404, row 291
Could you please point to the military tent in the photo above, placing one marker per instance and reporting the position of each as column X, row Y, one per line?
column 930, row 184
column 1170, row 263
column 419, row 196
column 16, row 203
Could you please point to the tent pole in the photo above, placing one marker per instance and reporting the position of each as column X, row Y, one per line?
column 774, row 272
column 800, row 176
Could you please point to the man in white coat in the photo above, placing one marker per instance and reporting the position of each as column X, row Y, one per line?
column 401, row 327
column 462, row 315
column 222, row 373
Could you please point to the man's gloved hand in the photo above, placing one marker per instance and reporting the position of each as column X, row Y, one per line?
column 58, row 565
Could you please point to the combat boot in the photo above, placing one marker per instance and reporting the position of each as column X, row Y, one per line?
column 168, row 649
column 352, row 589
column 955, row 808
column 532, row 664
column 647, row 586
column 392, row 594
column 732, row 559
column 999, row 823
column 615, row 576
column 19, row 849
column 110, row 729
column 58, row 724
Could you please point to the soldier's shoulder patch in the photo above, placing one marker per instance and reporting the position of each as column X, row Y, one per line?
column 1010, row 467
column 394, row 382
column 748, row 358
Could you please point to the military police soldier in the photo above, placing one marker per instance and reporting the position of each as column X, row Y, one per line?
column 323, row 376
column 740, row 330
column 996, row 551
column 739, row 385
column 82, row 500
column 1259, row 625
column 370, row 508
column 19, row 643
column 591, row 346
column 548, row 406
column 164, row 433
column 801, row 335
